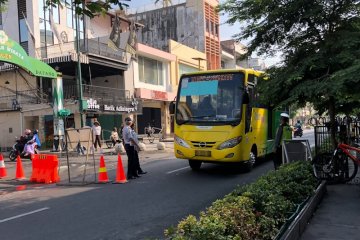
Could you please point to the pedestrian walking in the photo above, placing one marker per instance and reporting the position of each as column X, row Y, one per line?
column 137, row 150
column 284, row 132
column 96, row 128
column 130, row 150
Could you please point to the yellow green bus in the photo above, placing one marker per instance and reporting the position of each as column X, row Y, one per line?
column 217, row 118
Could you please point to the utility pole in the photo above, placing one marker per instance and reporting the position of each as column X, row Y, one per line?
column 78, row 75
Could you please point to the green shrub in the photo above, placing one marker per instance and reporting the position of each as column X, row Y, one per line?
column 224, row 220
column 255, row 211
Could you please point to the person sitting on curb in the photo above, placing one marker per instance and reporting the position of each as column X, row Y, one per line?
column 114, row 136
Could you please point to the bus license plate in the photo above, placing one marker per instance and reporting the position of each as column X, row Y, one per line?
column 202, row 153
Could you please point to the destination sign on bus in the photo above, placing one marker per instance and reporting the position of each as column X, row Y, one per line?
column 218, row 77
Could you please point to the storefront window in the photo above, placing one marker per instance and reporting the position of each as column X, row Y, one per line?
column 186, row 69
column 23, row 31
column 150, row 71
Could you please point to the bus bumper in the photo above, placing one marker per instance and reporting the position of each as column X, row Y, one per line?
column 210, row 155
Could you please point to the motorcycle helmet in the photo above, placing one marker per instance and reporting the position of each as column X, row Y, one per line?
column 285, row 115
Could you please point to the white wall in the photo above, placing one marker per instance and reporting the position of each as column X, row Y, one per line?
column 9, row 120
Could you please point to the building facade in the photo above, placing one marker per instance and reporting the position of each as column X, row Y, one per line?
column 151, row 74
column 50, row 34
column 231, row 53
column 194, row 23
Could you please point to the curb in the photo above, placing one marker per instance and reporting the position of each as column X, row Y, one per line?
column 298, row 226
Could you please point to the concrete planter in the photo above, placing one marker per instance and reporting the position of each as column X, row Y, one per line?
column 298, row 225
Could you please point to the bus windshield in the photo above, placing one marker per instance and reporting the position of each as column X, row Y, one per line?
column 210, row 98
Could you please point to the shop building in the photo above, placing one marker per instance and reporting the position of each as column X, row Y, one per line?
column 26, row 100
column 152, row 85
column 194, row 23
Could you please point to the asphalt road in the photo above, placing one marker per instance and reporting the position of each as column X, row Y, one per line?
column 140, row 209
column 309, row 135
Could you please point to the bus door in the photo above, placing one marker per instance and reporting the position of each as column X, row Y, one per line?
column 249, row 106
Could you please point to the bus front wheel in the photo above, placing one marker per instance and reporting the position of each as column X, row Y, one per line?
column 248, row 165
column 195, row 165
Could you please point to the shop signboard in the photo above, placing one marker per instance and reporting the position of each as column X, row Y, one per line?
column 12, row 52
column 125, row 107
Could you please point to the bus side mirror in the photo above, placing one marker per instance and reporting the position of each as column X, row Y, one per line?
column 246, row 99
column 172, row 107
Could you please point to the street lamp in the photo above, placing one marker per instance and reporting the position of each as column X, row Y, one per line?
column 199, row 59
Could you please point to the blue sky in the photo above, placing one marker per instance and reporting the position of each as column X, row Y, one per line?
column 226, row 30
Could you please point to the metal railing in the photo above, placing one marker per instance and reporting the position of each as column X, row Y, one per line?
column 100, row 47
column 16, row 99
column 96, row 46
column 104, row 94
column 347, row 130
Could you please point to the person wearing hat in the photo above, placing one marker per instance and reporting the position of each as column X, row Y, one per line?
column 130, row 150
column 284, row 131
column 96, row 128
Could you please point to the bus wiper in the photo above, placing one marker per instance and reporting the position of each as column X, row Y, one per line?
column 184, row 121
column 204, row 116
column 195, row 117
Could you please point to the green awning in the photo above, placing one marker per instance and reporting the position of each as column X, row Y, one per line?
column 12, row 52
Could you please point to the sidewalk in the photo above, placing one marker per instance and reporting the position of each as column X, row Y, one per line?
column 338, row 215
column 77, row 164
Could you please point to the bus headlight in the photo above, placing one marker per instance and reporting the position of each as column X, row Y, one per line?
column 230, row 143
column 181, row 142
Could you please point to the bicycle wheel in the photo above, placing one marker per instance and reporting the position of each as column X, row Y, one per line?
column 322, row 167
column 347, row 168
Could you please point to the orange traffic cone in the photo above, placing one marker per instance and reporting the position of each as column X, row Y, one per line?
column 103, row 176
column 2, row 167
column 120, row 174
column 19, row 169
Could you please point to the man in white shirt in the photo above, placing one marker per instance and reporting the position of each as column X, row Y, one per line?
column 97, row 133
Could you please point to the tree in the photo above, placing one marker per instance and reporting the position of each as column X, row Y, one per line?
column 91, row 9
column 320, row 43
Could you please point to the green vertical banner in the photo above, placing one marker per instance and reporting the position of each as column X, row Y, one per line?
column 58, row 104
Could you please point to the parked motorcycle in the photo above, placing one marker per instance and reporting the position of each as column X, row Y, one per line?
column 298, row 132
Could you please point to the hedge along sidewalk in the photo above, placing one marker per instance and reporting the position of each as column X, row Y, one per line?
column 255, row 211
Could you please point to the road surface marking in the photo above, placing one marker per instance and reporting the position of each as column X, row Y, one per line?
column 180, row 169
column 24, row 214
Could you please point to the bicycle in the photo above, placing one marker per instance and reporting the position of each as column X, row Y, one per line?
column 153, row 133
column 339, row 167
